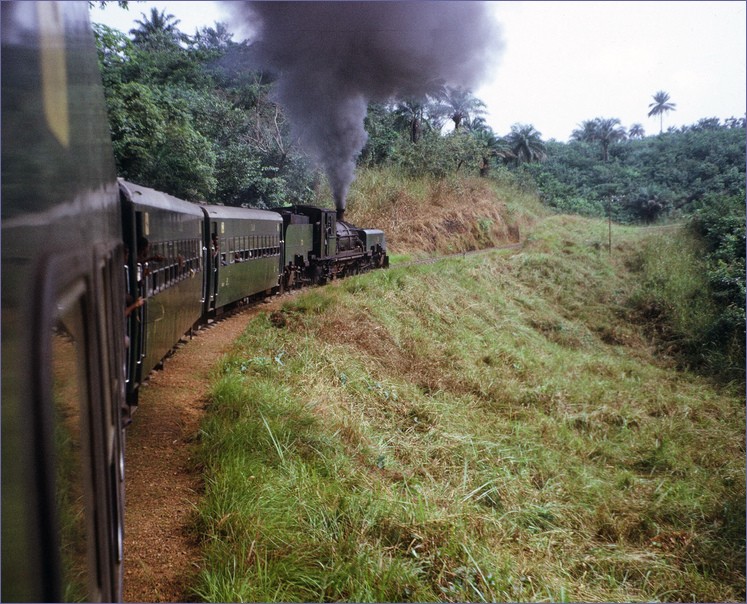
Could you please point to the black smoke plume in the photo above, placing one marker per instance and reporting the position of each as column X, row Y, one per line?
column 332, row 58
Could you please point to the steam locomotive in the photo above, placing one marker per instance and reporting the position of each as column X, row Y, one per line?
column 100, row 279
column 195, row 261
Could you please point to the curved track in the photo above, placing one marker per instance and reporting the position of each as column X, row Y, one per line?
column 163, row 480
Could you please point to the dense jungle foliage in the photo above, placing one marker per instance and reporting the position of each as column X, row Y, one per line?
column 661, row 176
column 195, row 116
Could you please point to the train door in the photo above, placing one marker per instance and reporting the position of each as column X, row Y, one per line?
column 115, row 413
column 215, row 263
column 135, row 228
column 329, row 233
column 62, row 495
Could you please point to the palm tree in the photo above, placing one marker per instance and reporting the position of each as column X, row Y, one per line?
column 525, row 143
column 409, row 116
column 214, row 38
column 636, row 131
column 586, row 132
column 660, row 106
column 477, row 125
column 600, row 130
column 157, row 30
column 460, row 105
column 489, row 143
column 609, row 131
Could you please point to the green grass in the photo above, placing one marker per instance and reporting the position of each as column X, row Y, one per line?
column 675, row 298
column 486, row 428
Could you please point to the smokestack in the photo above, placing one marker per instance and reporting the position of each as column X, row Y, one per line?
column 340, row 213
column 333, row 58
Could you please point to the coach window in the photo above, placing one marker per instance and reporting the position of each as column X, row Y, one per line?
column 73, row 450
column 196, row 256
column 180, row 259
column 223, row 244
column 173, row 261
column 154, row 278
column 190, row 253
column 188, row 256
column 174, row 255
column 168, row 263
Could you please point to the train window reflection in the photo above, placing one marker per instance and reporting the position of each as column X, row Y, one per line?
column 70, row 399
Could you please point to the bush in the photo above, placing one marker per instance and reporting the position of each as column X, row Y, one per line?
column 720, row 225
column 693, row 290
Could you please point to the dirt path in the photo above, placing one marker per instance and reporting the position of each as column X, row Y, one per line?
column 162, row 487
column 161, row 482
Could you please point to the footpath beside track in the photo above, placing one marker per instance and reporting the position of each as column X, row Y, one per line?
column 163, row 481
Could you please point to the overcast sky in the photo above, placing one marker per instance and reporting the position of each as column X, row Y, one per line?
column 567, row 62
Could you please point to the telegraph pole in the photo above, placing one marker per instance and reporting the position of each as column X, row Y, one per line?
column 609, row 223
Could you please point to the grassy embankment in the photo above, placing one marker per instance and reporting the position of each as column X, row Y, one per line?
column 494, row 427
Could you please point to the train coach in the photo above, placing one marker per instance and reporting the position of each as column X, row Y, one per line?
column 62, row 314
column 101, row 278
column 192, row 262
column 164, row 270
column 245, row 255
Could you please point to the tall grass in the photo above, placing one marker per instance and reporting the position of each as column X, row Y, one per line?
column 488, row 428
column 675, row 297
column 426, row 214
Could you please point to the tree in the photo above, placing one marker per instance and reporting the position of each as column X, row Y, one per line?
column 409, row 116
column 735, row 122
column 600, row 130
column 487, row 140
column 102, row 4
column 382, row 135
column 586, row 133
column 158, row 30
column 660, row 106
column 608, row 131
column 654, row 176
column 636, row 131
column 214, row 38
column 115, row 52
column 189, row 118
column 460, row 105
column 525, row 143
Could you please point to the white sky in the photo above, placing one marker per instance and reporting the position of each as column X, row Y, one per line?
column 567, row 62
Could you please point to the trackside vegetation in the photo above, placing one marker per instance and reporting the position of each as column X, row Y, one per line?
column 497, row 427
column 559, row 422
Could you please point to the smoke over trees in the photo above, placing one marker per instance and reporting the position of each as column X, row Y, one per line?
column 333, row 58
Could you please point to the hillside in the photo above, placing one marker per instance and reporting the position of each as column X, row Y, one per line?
column 426, row 215
column 489, row 427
